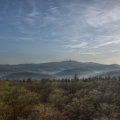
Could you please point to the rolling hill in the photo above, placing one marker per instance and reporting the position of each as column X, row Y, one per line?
column 64, row 69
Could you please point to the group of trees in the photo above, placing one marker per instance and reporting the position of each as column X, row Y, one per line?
column 86, row 99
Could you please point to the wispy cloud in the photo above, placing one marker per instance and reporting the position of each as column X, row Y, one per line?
column 34, row 14
column 107, row 43
column 27, row 22
column 115, row 51
column 98, row 16
column 74, row 46
column 91, row 53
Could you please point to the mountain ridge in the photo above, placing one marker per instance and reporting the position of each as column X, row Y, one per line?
column 56, row 62
column 63, row 69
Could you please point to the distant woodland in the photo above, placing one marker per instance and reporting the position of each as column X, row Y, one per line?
column 86, row 99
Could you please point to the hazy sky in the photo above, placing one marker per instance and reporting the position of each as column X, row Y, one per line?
column 35, row 31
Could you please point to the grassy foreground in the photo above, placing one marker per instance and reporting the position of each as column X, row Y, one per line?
column 60, row 100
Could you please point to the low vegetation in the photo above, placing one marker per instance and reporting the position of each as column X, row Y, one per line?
column 87, row 99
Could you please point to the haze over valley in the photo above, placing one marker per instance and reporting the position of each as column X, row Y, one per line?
column 57, row 70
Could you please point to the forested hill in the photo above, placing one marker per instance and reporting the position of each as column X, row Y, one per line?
column 64, row 69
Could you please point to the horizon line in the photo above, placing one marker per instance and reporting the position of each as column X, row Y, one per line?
column 70, row 60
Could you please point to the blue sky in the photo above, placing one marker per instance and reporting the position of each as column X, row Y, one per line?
column 35, row 31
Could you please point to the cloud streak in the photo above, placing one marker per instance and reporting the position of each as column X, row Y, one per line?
column 98, row 17
column 107, row 43
column 74, row 46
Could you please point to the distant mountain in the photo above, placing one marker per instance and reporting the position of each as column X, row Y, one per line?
column 69, row 73
column 64, row 69
column 26, row 75
column 113, row 73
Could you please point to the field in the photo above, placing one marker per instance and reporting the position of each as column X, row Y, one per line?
column 89, row 99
